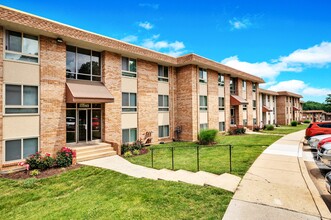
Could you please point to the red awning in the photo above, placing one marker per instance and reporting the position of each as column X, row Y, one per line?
column 295, row 108
column 80, row 91
column 237, row 100
column 266, row 109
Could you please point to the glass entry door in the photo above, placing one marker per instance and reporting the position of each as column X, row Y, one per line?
column 84, row 125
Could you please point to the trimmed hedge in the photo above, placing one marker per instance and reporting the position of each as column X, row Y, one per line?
column 207, row 136
column 294, row 123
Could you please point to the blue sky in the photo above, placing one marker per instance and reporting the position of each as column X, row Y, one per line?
column 287, row 43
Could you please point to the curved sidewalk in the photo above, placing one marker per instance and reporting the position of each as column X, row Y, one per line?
column 278, row 186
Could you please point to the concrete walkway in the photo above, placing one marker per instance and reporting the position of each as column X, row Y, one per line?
column 116, row 163
column 278, row 186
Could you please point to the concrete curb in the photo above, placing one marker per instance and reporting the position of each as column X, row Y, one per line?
column 320, row 204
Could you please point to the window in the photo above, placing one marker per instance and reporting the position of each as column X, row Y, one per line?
column 254, row 121
column 286, row 99
column 163, row 131
column 254, row 87
column 273, row 99
column 129, row 67
column 233, row 82
column 244, row 85
column 83, row 64
column 220, row 79
column 202, row 75
column 244, row 107
column 163, row 73
column 245, row 122
column 204, row 126
column 23, row 47
column 20, row 148
column 129, row 135
column 254, row 104
column 21, row 99
column 221, row 126
column 268, row 97
column 203, row 103
column 163, row 103
column 220, row 103
column 129, row 102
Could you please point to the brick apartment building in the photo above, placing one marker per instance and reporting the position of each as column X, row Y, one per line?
column 66, row 86
column 316, row 115
column 268, row 107
column 288, row 107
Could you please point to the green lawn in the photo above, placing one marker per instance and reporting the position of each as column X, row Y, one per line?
column 246, row 148
column 94, row 193
column 286, row 129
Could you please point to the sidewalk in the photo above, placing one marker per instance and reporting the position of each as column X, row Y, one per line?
column 278, row 186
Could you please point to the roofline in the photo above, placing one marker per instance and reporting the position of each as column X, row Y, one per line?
column 269, row 92
column 69, row 34
column 287, row 93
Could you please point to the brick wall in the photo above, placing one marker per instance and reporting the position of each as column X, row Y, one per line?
column 147, row 98
column 281, row 110
column 1, row 94
column 239, row 108
column 187, row 102
column 52, row 95
column 172, row 101
column 258, row 119
column 212, row 88
column 249, row 95
column 111, row 70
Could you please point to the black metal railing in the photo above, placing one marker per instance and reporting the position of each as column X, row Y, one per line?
column 229, row 147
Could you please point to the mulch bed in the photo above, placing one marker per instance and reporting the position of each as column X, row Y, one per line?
column 42, row 174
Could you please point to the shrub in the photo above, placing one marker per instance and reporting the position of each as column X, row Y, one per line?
column 34, row 173
column 207, row 136
column 137, row 145
column 127, row 154
column 306, row 121
column 237, row 131
column 256, row 128
column 143, row 151
column 64, row 157
column 39, row 161
column 294, row 123
column 269, row 127
column 136, row 152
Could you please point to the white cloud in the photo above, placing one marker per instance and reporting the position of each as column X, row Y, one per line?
column 149, row 5
column 146, row 25
column 300, row 87
column 175, row 48
column 318, row 55
column 240, row 24
column 262, row 69
column 130, row 38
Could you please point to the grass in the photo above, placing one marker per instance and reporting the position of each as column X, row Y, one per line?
column 212, row 159
column 286, row 129
column 94, row 193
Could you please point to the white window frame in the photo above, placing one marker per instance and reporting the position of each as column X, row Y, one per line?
column 163, row 107
column 203, row 107
column 203, row 126
column 162, row 78
column 128, row 73
column 130, row 135
column 220, row 102
column 254, row 87
column 22, row 150
column 220, row 76
column 130, row 106
column 254, row 104
column 244, row 107
column 244, row 85
column 219, row 126
column 22, row 101
column 203, row 78
column 20, row 53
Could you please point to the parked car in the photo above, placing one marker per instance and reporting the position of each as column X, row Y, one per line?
column 328, row 181
column 324, row 153
column 323, row 141
column 318, row 128
column 313, row 141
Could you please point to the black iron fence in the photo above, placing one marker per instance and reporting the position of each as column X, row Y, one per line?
column 197, row 154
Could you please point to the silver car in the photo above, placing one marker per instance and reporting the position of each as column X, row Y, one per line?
column 324, row 153
column 313, row 141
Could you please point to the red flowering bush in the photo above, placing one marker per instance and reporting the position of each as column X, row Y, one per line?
column 39, row 161
column 64, row 157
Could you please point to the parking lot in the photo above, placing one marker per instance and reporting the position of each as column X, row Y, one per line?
column 317, row 170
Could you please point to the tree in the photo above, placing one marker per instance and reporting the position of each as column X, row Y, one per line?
column 328, row 103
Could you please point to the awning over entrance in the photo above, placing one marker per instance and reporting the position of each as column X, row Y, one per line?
column 295, row 108
column 80, row 91
column 266, row 109
column 237, row 100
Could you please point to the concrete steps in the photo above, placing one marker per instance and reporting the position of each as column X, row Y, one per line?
column 116, row 163
column 93, row 151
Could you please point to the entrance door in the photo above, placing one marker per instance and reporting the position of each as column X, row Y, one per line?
column 82, row 117
column 233, row 116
